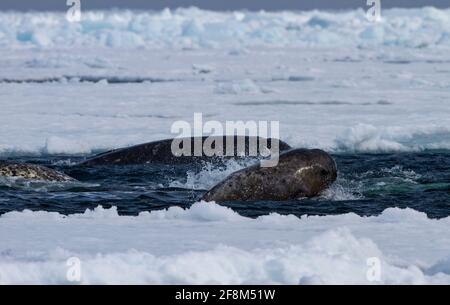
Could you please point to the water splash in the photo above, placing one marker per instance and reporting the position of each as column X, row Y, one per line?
column 210, row 175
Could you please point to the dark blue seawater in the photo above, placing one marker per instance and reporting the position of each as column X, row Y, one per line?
column 367, row 184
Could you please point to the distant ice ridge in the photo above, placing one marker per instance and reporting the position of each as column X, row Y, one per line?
column 195, row 28
column 208, row 243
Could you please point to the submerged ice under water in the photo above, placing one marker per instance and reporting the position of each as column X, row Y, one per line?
column 366, row 185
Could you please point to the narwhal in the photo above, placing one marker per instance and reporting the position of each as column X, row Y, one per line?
column 32, row 172
column 299, row 173
column 162, row 151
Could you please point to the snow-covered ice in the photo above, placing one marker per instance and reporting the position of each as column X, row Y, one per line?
column 209, row 243
column 320, row 98
column 334, row 80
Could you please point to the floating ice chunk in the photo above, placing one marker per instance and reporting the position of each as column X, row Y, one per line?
column 367, row 138
column 237, row 87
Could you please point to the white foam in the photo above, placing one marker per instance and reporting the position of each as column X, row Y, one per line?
column 342, row 190
column 209, row 175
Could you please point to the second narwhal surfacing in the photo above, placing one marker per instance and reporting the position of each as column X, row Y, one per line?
column 299, row 173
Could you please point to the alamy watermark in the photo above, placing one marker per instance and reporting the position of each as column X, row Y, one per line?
column 73, row 273
column 73, row 14
column 373, row 14
column 373, row 273
column 258, row 133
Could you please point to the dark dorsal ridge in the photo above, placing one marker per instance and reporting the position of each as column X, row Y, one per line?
column 161, row 152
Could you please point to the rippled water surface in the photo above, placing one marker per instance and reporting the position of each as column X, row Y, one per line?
column 367, row 184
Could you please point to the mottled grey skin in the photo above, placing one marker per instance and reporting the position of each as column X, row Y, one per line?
column 161, row 152
column 299, row 173
column 32, row 172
